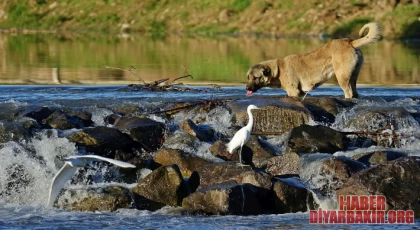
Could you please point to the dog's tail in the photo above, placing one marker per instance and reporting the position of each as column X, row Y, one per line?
column 373, row 35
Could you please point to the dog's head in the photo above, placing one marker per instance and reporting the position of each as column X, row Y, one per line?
column 259, row 76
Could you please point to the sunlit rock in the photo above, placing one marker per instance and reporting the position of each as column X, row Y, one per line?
column 398, row 181
column 312, row 139
column 187, row 163
column 108, row 198
column 193, row 130
column 286, row 164
column 378, row 157
column 149, row 133
column 290, row 195
column 164, row 185
column 279, row 115
column 228, row 198
column 60, row 120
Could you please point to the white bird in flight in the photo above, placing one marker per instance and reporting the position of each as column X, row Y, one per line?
column 242, row 136
column 70, row 167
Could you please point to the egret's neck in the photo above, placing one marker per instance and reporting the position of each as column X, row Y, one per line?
column 250, row 120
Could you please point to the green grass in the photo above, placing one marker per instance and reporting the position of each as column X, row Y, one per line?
column 350, row 28
column 240, row 5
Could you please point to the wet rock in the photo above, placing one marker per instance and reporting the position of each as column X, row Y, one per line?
column 39, row 114
column 227, row 171
column 84, row 116
column 312, row 139
column 99, row 199
column 378, row 157
column 17, row 130
column 398, row 181
column 193, row 130
column 126, row 110
column 178, row 139
column 60, row 120
column 329, row 174
column 164, row 185
column 187, row 163
column 286, row 164
column 324, row 109
column 110, row 119
column 9, row 110
column 291, row 196
column 253, row 153
column 280, row 115
column 104, row 141
column 149, row 133
column 368, row 118
column 229, row 198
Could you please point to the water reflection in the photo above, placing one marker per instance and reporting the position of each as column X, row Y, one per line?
column 76, row 59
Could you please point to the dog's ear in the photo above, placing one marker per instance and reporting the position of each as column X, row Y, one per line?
column 266, row 72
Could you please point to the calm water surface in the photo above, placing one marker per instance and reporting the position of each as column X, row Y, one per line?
column 77, row 59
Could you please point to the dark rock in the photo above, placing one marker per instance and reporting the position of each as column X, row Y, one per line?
column 164, row 185
column 187, row 163
column 126, row 110
column 280, row 115
column 329, row 174
column 95, row 199
column 193, row 130
column 324, row 109
column 84, row 116
column 60, row 120
column 149, row 133
column 312, row 139
column 40, row 114
column 291, row 196
column 17, row 130
column 286, row 164
column 398, row 181
column 10, row 110
column 228, row 198
column 227, row 171
column 110, row 119
column 378, row 157
column 253, row 152
column 104, row 141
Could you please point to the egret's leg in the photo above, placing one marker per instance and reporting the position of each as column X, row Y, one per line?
column 240, row 157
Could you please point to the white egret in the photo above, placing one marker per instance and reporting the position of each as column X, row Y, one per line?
column 242, row 136
column 70, row 167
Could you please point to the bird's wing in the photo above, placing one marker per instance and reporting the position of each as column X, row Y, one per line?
column 238, row 139
column 99, row 158
column 66, row 173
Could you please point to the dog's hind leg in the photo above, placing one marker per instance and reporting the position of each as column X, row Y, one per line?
column 355, row 73
column 344, row 69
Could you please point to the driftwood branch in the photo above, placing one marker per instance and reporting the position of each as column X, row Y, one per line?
column 129, row 70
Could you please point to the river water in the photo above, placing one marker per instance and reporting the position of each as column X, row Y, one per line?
column 390, row 77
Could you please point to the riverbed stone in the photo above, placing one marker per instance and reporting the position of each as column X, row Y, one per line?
column 109, row 198
column 61, row 120
column 286, row 164
column 378, row 157
column 280, row 115
column 312, row 139
column 398, row 181
column 187, row 163
column 20, row 129
column 39, row 114
column 291, row 196
column 228, row 198
column 227, row 171
column 149, row 133
column 164, row 185
column 84, row 116
column 104, row 141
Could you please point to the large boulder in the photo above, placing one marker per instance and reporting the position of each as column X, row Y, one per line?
column 398, row 181
column 100, row 199
column 324, row 109
column 61, row 120
column 291, row 196
column 84, row 116
column 278, row 116
column 226, row 171
column 187, row 163
column 164, row 185
column 228, row 198
column 312, row 139
column 40, row 114
column 149, row 133
column 104, row 141
column 286, row 164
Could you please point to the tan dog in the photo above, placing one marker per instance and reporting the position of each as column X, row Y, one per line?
column 298, row 74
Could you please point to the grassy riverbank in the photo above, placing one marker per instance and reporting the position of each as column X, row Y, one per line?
column 208, row 17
